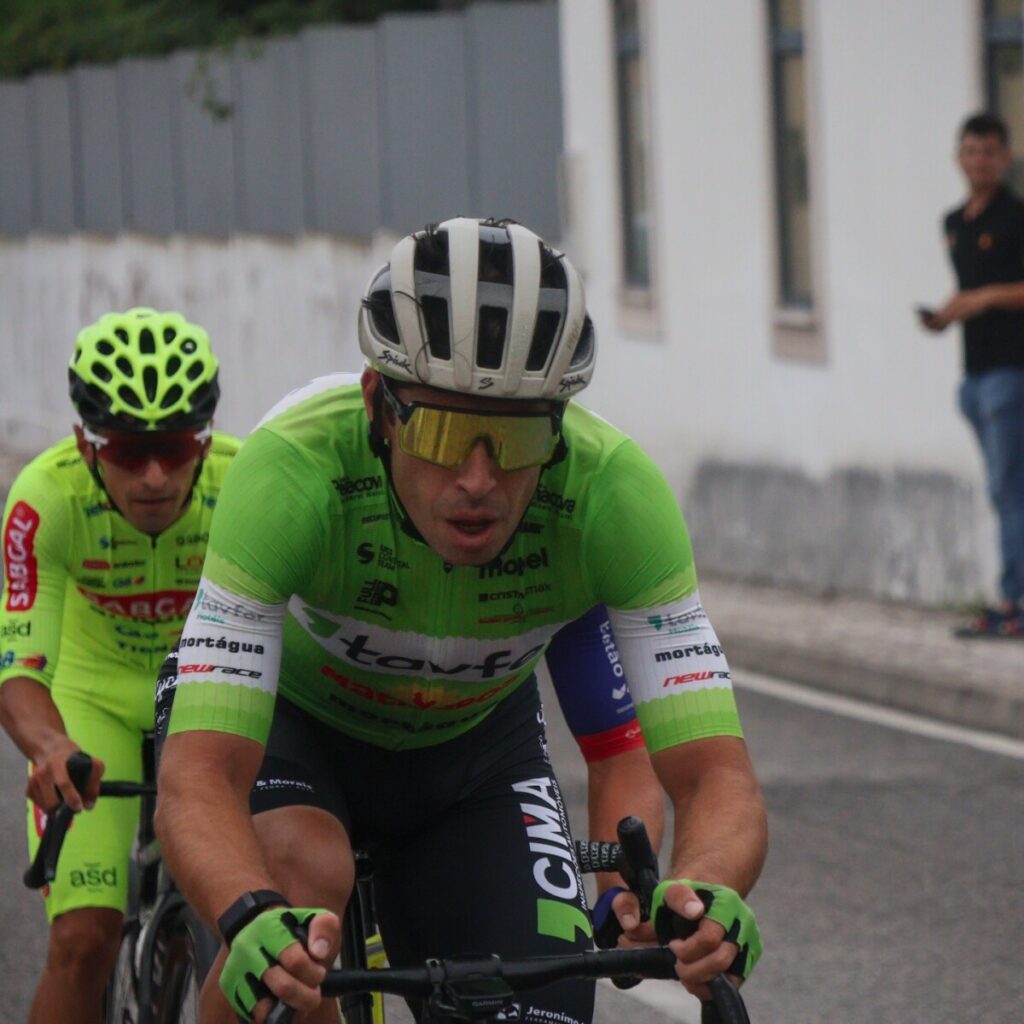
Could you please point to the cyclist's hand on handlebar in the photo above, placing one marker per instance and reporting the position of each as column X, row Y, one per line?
column 709, row 928
column 49, row 781
column 268, row 958
column 624, row 906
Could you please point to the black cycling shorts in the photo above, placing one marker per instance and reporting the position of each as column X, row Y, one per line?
column 469, row 839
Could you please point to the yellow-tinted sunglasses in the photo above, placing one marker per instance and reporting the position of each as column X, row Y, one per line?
column 446, row 436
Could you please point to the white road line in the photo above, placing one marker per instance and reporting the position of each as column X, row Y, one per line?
column 668, row 997
column 990, row 742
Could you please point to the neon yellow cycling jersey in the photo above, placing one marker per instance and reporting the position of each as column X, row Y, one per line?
column 311, row 583
column 91, row 605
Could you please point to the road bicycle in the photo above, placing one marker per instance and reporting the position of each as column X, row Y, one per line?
column 165, row 951
column 477, row 989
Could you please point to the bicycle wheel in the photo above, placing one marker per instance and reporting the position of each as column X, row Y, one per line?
column 188, row 951
column 121, row 999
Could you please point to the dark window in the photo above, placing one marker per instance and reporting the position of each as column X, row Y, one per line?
column 631, row 78
column 792, row 177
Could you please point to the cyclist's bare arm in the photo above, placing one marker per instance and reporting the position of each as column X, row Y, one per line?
column 203, row 821
column 619, row 786
column 31, row 719
column 210, row 846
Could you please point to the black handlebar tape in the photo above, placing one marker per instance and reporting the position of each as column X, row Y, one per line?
column 639, row 862
column 43, row 868
column 598, row 856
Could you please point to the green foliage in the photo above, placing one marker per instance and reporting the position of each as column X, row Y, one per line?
column 56, row 34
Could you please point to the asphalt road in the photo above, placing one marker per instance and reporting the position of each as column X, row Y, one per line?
column 893, row 892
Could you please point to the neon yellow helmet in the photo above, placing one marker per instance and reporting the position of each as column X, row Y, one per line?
column 143, row 370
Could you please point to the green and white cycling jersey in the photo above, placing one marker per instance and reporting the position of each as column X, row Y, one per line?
column 91, row 605
column 312, row 587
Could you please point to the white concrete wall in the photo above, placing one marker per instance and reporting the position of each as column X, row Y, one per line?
column 888, row 86
column 277, row 313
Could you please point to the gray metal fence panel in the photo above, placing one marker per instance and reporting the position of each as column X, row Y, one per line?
column 206, row 120
column 269, row 139
column 516, row 111
column 151, row 146
column 15, row 160
column 54, row 198
column 343, row 129
column 98, row 163
column 425, row 148
column 342, row 141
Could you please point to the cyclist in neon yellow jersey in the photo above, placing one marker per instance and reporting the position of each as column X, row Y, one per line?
column 388, row 562
column 103, row 542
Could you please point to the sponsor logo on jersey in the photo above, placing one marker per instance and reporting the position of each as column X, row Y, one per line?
column 690, row 651
column 611, row 650
column 154, row 607
column 135, row 632
column 20, row 559
column 33, row 662
column 211, row 609
column 419, row 699
column 228, row 670
column 562, row 909
column 518, row 614
column 386, row 557
column 132, row 564
column 127, row 581
column 552, row 499
column 679, row 622
column 192, row 539
column 694, row 677
column 94, row 876
column 515, row 566
column 114, row 544
column 515, row 595
column 98, row 509
column 348, row 487
column 221, row 643
column 13, row 629
column 375, row 593
column 6, row 659
column 188, row 563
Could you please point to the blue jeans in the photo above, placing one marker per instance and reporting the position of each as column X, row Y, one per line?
column 993, row 402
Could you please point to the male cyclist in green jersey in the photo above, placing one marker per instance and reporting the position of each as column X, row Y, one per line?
column 103, row 542
column 389, row 560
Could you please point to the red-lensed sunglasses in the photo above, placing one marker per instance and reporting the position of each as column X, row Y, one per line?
column 133, row 452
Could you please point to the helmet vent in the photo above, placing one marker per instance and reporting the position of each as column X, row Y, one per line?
column 150, row 381
column 147, row 343
column 173, row 394
column 435, row 318
column 121, row 334
column 169, row 335
column 493, row 321
column 125, row 366
column 99, row 370
column 544, row 335
column 195, row 370
column 129, row 397
column 432, row 253
column 495, row 261
column 173, row 365
column 585, row 346
column 188, row 346
column 105, row 348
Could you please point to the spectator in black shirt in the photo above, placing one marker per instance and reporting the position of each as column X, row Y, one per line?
column 986, row 244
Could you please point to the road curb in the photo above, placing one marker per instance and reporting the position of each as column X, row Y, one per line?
column 963, row 705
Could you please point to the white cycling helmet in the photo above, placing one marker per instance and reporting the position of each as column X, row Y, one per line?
column 480, row 307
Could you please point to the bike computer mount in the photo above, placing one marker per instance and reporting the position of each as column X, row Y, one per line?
column 469, row 988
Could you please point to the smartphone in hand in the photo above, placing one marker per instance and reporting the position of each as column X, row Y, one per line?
column 927, row 317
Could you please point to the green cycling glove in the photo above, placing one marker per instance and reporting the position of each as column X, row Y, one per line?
column 721, row 904
column 257, row 947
